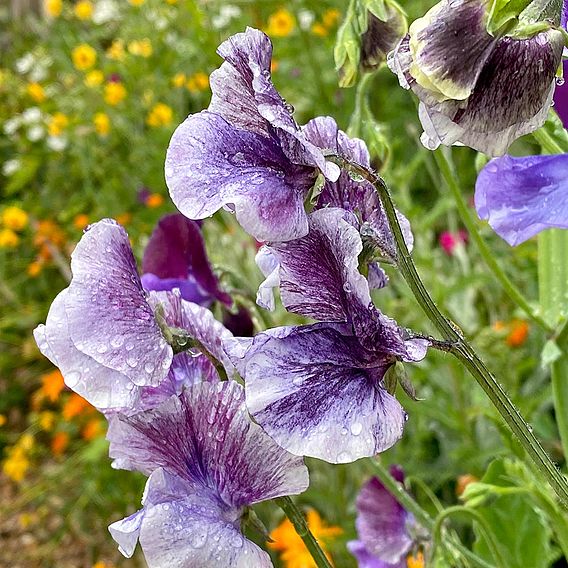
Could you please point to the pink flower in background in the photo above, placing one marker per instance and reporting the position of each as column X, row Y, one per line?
column 449, row 241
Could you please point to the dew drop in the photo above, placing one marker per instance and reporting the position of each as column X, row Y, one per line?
column 356, row 428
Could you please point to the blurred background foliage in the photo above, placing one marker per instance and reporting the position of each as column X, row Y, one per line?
column 90, row 93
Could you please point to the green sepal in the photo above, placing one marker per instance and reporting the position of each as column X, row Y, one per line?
column 503, row 14
column 347, row 51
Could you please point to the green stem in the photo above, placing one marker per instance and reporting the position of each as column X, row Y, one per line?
column 299, row 522
column 490, row 260
column 461, row 349
column 422, row 516
column 476, row 516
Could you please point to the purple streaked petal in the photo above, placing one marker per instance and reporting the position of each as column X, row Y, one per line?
column 317, row 393
column 210, row 164
column 319, row 274
column 377, row 277
column 108, row 316
column 206, row 438
column 366, row 560
column 382, row 523
column 522, row 196
column 176, row 253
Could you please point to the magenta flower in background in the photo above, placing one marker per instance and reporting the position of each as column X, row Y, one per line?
column 207, row 462
column 175, row 257
column 245, row 152
column 520, row 197
column 449, row 241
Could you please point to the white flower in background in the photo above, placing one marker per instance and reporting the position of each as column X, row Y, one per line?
column 25, row 63
column 11, row 166
column 226, row 14
column 57, row 143
column 35, row 133
column 12, row 125
column 31, row 115
column 105, row 11
column 305, row 19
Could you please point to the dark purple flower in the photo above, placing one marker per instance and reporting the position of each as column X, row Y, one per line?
column 465, row 77
column 317, row 389
column 522, row 196
column 385, row 529
column 175, row 257
column 103, row 334
column 245, row 152
column 239, row 323
column 207, row 462
column 561, row 97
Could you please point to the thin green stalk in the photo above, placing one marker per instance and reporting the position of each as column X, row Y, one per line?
column 422, row 516
column 476, row 516
column 461, row 349
column 490, row 260
column 301, row 527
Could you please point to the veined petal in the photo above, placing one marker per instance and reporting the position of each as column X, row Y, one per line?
column 317, row 393
column 210, row 164
column 108, row 316
column 366, row 560
column 522, row 196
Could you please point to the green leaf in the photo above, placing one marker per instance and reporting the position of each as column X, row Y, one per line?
column 504, row 13
column 517, row 525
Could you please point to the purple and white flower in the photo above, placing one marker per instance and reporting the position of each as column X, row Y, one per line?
column 246, row 151
column 476, row 89
column 386, row 531
column 207, row 462
column 520, row 197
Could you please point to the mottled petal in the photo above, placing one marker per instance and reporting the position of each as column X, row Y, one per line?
column 366, row 560
column 319, row 274
column 176, row 253
column 381, row 37
column 210, row 164
column 206, row 438
column 522, row 196
column 382, row 522
column 310, row 391
column 108, row 316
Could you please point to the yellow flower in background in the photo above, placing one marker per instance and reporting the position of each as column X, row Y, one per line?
column 26, row 441
column 319, row 29
column 281, row 23
column 160, row 115
column 53, row 8
column 46, row 420
column 94, row 78
column 171, row 2
column 331, row 17
column 34, row 269
column 14, row 218
column 83, row 10
column 57, row 124
column 293, row 551
column 415, row 561
column 179, row 80
column 198, row 82
column 84, row 57
column 116, row 50
column 36, row 92
column 142, row 47
column 115, row 93
column 16, row 464
column 102, row 123
column 137, row 2
column 3, row 420
column 8, row 239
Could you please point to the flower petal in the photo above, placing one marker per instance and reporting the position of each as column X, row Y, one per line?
column 210, row 164
column 366, row 560
column 269, row 266
column 108, row 316
column 522, row 196
column 126, row 533
column 310, row 391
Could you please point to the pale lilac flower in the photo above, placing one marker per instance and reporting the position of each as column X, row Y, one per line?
column 207, row 462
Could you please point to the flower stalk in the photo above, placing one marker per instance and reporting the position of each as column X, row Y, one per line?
column 461, row 348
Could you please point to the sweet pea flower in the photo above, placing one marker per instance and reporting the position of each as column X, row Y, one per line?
column 103, row 333
column 520, row 197
column 387, row 532
column 318, row 389
column 246, row 151
column 207, row 462
column 175, row 257
column 476, row 89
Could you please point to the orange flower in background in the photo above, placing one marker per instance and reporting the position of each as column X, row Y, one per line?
column 36, row 92
column 293, row 551
column 84, row 57
column 518, row 334
column 14, row 218
column 83, row 10
column 415, row 561
column 59, row 443
column 115, row 93
column 53, row 8
column 463, row 481
column 52, row 384
column 154, row 200
column 34, row 269
column 75, row 406
column 48, row 231
column 123, row 218
column 281, row 23
column 93, row 429
column 80, row 221
column 8, row 239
